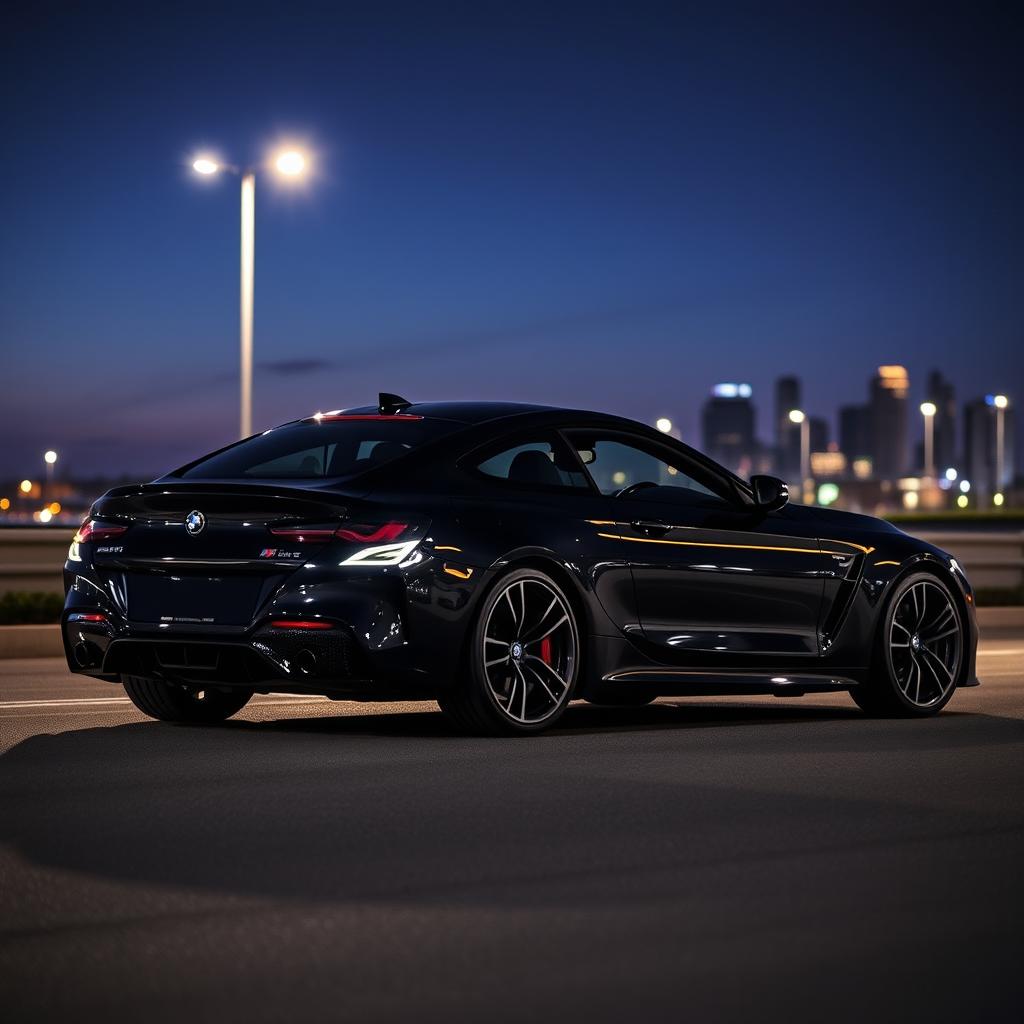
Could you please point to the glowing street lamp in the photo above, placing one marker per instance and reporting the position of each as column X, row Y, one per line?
column 664, row 425
column 25, row 487
column 928, row 411
column 289, row 163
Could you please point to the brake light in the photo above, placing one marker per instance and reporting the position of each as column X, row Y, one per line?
column 363, row 533
column 300, row 624
column 91, row 530
column 376, row 417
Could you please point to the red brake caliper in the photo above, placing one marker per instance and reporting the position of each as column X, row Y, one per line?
column 545, row 650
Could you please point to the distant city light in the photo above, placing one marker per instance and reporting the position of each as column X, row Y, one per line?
column 928, row 409
column 997, row 499
column 25, row 486
column 911, row 499
column 961, row 501
column 664, row 425
column 204, row 165
column 54, row 507
column 50, row 457
column 828, row 493
column 965, row 486
column 732, row 391
column 999, row 401
column 5, row 504
column 862, row 468
column 951, row 474
column 618, row 478
column 796, row 416
column 45, row 515
column 290, row 163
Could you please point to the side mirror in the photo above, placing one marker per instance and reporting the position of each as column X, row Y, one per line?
column 770, row 493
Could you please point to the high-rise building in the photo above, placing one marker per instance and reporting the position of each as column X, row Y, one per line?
column 819, row 434
column 787, row 433
column 980, row 455
column 728, row 427
column 855, row 432
column 940, row 392
column 888, row 410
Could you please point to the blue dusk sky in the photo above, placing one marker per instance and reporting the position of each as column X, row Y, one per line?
column 607, row 205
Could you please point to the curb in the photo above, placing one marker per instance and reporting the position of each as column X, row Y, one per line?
column 45, row 641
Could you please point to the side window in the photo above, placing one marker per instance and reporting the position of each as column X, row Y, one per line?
column 534, row 463
column 614, row 463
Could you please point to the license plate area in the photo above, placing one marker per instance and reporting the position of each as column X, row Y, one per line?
column 205, row 599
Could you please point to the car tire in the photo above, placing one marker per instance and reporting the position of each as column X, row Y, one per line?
column 522, row 661
column 919, row 651
column 172, row 702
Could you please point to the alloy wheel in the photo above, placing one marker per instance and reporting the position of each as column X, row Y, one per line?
column 529, row 655
column 925, row 644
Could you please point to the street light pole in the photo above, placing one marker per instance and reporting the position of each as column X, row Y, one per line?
column 247, row 284
column 1000, row 402
column 800, row 417
column 928, row 410
column 289, row 163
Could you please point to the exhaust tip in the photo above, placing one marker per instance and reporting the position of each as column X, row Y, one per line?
column 83, row 654
column 305, row 662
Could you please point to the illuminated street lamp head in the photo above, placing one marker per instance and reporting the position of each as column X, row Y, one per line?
column 796, row 416
column 291, row 163
column 928, row 409
column 25, row 486
column 664, row 424
column 50, row 457
column 204, row 165
column 1000, row 401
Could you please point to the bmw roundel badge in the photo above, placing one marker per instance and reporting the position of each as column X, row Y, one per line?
column 194, row 522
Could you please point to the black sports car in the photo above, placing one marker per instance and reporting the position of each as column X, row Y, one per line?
column 502, row 559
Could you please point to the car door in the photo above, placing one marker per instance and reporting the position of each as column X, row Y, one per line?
column 529, row 494
column 712, row 574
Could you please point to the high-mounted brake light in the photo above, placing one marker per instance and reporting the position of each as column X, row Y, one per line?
column 375, row 416
column 91, row 530
column 300, row 624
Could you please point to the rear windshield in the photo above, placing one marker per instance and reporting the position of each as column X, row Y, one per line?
column 312, row 450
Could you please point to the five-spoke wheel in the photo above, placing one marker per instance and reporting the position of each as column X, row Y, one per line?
column 523, row 659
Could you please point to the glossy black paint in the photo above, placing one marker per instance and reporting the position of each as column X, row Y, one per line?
column 671, row 599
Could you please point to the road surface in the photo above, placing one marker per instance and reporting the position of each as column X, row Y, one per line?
column 694, row 860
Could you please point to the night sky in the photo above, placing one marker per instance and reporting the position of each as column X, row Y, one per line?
column 610, row 206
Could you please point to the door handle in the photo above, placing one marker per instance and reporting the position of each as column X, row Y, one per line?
column 652, row 527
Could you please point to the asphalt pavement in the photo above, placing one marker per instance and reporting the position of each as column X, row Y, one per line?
column 702, row 859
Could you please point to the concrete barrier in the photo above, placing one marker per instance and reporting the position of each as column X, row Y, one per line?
column 33, row 559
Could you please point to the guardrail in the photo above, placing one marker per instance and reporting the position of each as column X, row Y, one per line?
column 32, row 559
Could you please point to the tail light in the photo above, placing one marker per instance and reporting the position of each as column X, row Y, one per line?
column 91, row 530
column 357, row 533
column 87, row 617
column 300, row 624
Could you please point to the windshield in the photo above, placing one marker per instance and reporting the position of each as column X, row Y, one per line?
column 317, row 449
